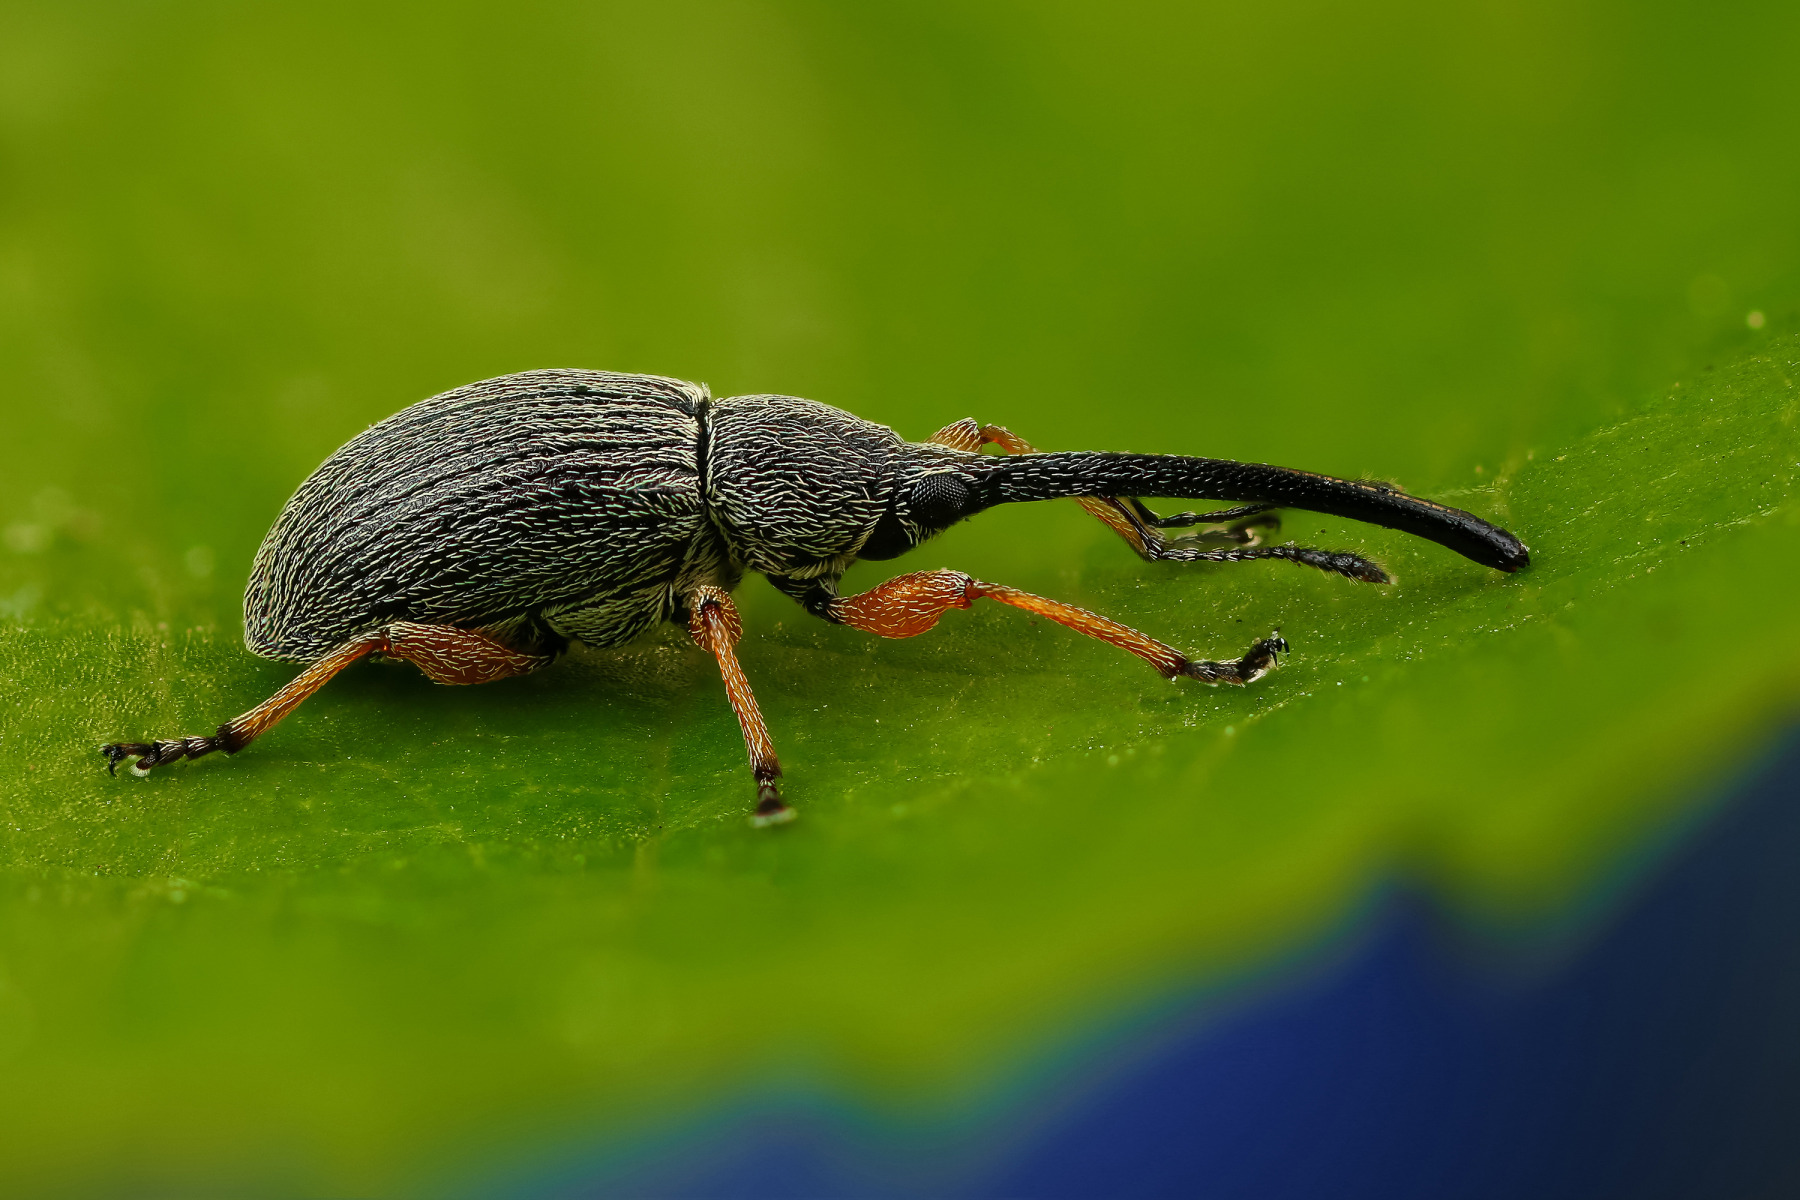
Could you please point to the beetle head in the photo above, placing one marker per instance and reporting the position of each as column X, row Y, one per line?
column 933, row 490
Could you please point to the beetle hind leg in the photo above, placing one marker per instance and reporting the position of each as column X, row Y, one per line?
column 445, row 653
column 457, row 657
column 155, row 754
column 240, row 731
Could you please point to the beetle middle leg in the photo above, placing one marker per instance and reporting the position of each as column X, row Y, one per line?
column 908, row 605
column 713, row 622
column 445, row 653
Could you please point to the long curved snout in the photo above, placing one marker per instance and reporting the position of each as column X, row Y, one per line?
column 1096, row 473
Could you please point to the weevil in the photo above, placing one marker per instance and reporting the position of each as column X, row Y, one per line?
column 479, row 533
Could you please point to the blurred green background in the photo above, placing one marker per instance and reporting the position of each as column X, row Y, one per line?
column 1538, row 260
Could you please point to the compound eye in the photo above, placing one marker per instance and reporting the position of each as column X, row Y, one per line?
column 940, row 498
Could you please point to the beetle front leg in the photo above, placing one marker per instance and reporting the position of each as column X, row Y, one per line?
column 713, row 622
column 1128, row 516
column 908, row 605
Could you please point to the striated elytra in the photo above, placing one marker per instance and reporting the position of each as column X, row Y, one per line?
column 480, row 532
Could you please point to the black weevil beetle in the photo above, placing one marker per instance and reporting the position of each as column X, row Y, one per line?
column 477, row 533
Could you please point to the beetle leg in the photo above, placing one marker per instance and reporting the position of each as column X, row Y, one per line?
column 446, row 655
column 449, row 655
column 239, row 732
column 908, row 605
column 713, row 622
column 1220, row 517
column 1128, row 516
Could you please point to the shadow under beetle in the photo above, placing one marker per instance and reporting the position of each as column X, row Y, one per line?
column 477, row 533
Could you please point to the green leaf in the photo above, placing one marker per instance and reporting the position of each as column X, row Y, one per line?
column 412, row 902
column 416, row 929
